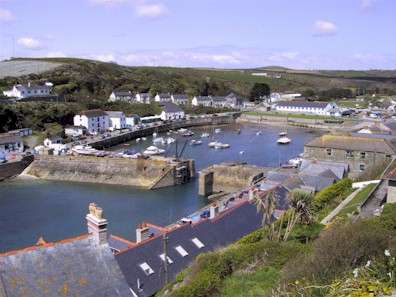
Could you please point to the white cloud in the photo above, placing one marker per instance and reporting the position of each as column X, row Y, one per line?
column 150, row 10
column 30, row 43
column 324, row 28
column 56, row 54
column 6, row 15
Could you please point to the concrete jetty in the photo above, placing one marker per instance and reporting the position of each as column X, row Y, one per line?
column 152, row 173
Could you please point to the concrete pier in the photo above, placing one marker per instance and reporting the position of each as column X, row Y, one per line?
column 229, row 177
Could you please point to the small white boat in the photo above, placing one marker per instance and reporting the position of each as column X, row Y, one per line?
column 170, row 140
column 283, row 133
column 213, row 143
column 159, row 141
column 155, row 134
column 153, row 150
column 195, row 142
column 295, row 162
column 182, row 130
column 205, row 135
column 222, row 146
column 144, row 138
column 217, row 130
column 187, row 134
column 284, row 140
column 242, row 152
column 138, row 139
column 259, row 133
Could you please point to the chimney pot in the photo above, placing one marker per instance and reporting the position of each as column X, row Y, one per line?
column 97, row 224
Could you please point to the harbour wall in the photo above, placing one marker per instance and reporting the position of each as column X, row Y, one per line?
column 194, row 122
column 229, row 178
column 12, row 169
column 151, row 173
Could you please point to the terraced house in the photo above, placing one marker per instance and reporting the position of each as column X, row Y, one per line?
column 359, row 152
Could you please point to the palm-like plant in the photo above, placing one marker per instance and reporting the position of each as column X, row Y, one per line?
column 266, row 204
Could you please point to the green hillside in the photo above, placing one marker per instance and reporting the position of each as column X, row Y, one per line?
column 79, row 78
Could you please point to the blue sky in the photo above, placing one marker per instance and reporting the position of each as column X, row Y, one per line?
column 309, row 34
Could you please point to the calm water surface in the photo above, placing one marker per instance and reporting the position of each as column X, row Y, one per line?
column 56, row 210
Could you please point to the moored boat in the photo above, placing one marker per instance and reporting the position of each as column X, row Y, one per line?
column 153, row 150
column 283, row 140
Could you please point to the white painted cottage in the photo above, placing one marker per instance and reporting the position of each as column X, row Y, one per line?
column 26, row 91
column 95, row 121
column 163, row 98
column 306, row 107
column 125, row 96
column 143, row 98
column 117, row 120
column 171, row 112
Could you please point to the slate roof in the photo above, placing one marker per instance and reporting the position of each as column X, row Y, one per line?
column 144, row 95
column 7, row 138
column 317, row 182
column 353, row 143
column 219, row 98
column 302, row 104
column 313, row 167
column 74, row 267
column 115, row 114
column 180, row 97
column 214, row 234
column 93, row 113
column 164, row 95
column 170, row 107
column 122, row 93
column 32, row 87
column 203, row 98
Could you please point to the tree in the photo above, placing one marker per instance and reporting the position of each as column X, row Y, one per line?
column 266, row 205
column 259, row 91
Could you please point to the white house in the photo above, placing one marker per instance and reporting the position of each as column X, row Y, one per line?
column 171, row 112
column 126, row 96
column 75, row 131
column 56, row 144
column 234, row 101
column 116, row 120
column 26, row 91
column 219, row 101
column 276, row 97
column 201, row 101
column 143, row 98
column 163, row 98
column 95, row 121
column 132, row 120
column 306, row 107
column 180, row 99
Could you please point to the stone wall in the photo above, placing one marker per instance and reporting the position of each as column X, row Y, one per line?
column 368, row 160
column 142, row 173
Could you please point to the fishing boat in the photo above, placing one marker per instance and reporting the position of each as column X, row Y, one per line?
column 217, row 130
column 205, row 135
column 259, row 132
column 195, row 142
column 283, row 140
column 188, row 133
column 153, row 150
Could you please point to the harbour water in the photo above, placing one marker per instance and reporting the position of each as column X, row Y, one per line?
column 56, row 210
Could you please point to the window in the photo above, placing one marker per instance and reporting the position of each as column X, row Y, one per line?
column 388, row 156
column 181, row 251
column 146, row 268
column 349, row 154
column 363, row 155
column 328, row 151
column 162, row 256
column 362, row 167
column 198, row 243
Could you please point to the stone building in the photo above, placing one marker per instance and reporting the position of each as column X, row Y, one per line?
column 359, row 152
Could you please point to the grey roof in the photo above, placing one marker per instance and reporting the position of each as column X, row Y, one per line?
column 144, row 95
column 164, row 95
column 213, row 234
column 180, row 97
column 9, row 138
column 115, row 114
column 317, row 182
column 353, row 143
column 170, row 107
column 93, row 113
column 77, row 267
column 204, row 98
column 32, row 87
column 122, row 93
column 302, row 104
column 219, row 98
column 313, row 167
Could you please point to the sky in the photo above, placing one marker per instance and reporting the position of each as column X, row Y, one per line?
column 304, row 34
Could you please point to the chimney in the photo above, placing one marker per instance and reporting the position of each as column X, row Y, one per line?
column 142, row 233
column 97, row 225
column 213, row 210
